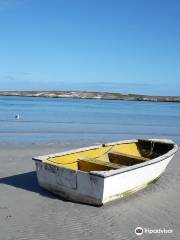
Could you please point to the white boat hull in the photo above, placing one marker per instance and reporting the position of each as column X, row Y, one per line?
column 98, row 188
column 132, row 181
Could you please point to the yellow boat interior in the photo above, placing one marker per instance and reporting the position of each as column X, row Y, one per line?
column 111, row 157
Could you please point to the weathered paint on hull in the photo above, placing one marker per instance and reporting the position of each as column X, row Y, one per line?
column 82, row 187
column 94, row 189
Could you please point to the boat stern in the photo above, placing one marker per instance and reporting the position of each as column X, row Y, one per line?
column 69, row 184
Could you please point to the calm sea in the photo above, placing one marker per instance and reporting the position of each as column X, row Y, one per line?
column 57, row 120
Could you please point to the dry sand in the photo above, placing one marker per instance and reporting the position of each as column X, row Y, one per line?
column 28, row 212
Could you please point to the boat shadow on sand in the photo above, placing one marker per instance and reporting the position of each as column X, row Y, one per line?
column 26, row 181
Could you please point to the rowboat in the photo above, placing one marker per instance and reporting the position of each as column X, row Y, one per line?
column 102, row 173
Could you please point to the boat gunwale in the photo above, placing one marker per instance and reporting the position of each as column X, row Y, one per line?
column 109, row 173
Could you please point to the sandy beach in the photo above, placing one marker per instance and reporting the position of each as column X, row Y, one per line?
column 29, row 212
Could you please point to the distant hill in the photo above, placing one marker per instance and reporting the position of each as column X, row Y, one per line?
column 91, row 95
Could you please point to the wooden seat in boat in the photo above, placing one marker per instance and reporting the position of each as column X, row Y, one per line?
column 92, row 164
column 125, row 159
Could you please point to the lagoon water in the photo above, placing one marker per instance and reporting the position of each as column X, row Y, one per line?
column 65, row 120
column 56, row 125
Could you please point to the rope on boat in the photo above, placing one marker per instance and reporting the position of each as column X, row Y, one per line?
column 93, row 157
column 64, row 163
column 105, row 152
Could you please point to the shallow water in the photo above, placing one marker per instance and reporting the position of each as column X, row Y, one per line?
column 57, row 120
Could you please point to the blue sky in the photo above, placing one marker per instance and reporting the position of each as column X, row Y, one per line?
column 121, row 46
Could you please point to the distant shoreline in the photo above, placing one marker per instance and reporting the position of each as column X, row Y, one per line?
column 91, row 95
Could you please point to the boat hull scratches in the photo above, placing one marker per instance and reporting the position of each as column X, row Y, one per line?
column 75, row 198
column 69, row 184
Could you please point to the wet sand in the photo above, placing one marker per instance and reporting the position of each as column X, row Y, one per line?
column 29, row 212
